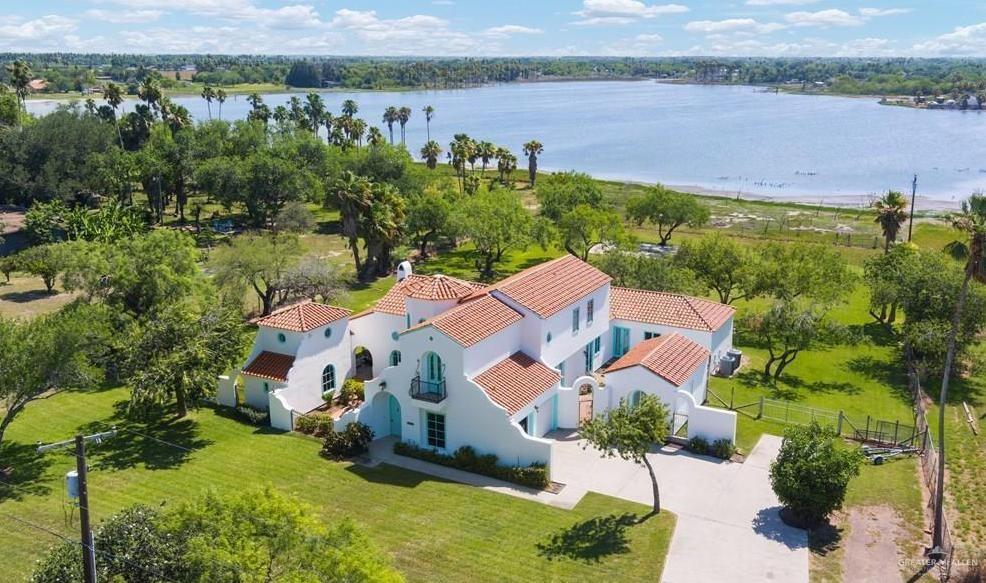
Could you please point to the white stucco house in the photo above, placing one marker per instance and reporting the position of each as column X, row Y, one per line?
column 448, row 362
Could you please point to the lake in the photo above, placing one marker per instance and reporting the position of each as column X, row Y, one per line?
column 723, row 139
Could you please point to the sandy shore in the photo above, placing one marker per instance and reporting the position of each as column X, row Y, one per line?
column 844, row 200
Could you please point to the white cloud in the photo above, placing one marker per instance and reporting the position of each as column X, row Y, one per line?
column 286, row 17
column 124, row 16
column 16, row 29
column 620, row 12
column 511, row 29
column 779, row 2
column 870, row 12
column 412, row 35
column 731, row 25
column 641, row 45
column 962, row 41
column 824, row 18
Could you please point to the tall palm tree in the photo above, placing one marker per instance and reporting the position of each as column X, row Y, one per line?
column 972, row 222
column 114, row 97
column 20, row 78
column 429, row 113
column 353, row 194
column 150, row 93
column 390, row 116
column 221, row 99
column 890, row 214
column 532, row 150
column 315, row 111
column 506, row 163
column 358, row 128
column 208, row 93
column 403, row 116
column 430, row 153
column 486, row 151
column 349, row 108
column 297, row 112
column 374, row 136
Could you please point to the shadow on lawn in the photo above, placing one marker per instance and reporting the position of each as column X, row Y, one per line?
column 590, row 540
column 26, row 469
column 161, row 443
column 25, row 297
column 391, row 475
column 824, row 539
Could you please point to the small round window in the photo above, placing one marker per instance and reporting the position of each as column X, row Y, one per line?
column 394, row 335
column 328, row 332
column 548, row 337
column 281, row 337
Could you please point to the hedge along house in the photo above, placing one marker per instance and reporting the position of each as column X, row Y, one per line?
column 498, row 367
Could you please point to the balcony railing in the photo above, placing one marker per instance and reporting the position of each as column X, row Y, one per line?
column 431, row 391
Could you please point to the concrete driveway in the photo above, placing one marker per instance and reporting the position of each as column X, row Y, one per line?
column 728, row 527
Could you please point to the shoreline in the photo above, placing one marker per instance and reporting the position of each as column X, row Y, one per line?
column 922, row 203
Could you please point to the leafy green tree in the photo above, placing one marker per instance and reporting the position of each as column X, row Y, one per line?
column 10, row 110
column 428, row 215
column 496, row 222
column 561, row 192
column 44, row 261
column 20, row 77
column 178, row 354
column 812, row 471
column 667, row 210
column 788, row 272
column 629, row 432
column 260, row 263
column 532, row 150
column 789, row 328
column 647, row 272
column 891, row 213
column 44, row 222
column 584, row 227
column 44, row 353
column 722, row 265
column 270, row 182
column 885, row 276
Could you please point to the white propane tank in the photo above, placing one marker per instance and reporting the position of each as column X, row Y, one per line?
column 403, row 270
column 72, row 484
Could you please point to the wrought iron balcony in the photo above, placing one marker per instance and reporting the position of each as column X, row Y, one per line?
column 431, row 391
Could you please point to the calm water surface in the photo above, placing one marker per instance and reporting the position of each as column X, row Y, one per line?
column 715, row 137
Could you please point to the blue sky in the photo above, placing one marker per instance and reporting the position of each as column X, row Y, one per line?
column 506, row 27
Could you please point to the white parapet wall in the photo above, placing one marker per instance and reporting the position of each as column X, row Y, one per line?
column 709, row 423
column 226, row 390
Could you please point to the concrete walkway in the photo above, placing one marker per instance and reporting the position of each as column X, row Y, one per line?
column 728, row 524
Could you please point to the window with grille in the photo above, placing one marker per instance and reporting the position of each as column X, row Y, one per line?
column 436, row 430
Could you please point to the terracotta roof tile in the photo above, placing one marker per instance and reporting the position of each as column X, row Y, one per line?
column 270, row 365
column 424, row 287
column 474, row 320
column 303, row 317
column 516, row 381
column 548, row 288
column 650, row 307
column 671, row 357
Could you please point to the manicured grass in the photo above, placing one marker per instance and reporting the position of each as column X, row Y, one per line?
column 25, row 296
column 433, row 530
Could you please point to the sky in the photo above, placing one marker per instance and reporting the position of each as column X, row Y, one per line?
column 925, row 28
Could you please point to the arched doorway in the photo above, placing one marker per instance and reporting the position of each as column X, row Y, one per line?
column 586, row 390
column 362, row 363
column 394, row 416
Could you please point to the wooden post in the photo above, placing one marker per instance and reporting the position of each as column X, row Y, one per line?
column 838, row 426
column 88, row 549
column 760, row 414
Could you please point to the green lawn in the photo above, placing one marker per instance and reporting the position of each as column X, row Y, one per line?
column 433, row 530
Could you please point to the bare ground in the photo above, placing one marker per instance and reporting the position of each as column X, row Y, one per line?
column 871, row 553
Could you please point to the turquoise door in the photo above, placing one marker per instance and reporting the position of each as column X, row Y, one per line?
column 395, row 416
column 621, row 341
column 433, row 368
column 554, row 412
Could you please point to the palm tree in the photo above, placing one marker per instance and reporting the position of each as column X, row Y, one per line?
column 972, row 222
column 430, row 153
column 374, row 136
column 221, row 98
column 506, row 163
column 281, row 114
column 20, row 77
column 532, row 150
column 890, row 214
column 429, row 113
column 114, row 97
column 297, row 112
column 390, row 116
column 486, row 152
column 403, row 116
column 349, row 108
column 353, row 194
column 208, row 93
column 358, row 128
column 315, row 111
column 150, row 93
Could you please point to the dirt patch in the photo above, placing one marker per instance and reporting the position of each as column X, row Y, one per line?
column 871, row 547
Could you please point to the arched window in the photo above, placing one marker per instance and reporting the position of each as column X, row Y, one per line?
column 328, row 378
column 433, row 369
column 395, row 357
column 635, row 398
column 281, row 337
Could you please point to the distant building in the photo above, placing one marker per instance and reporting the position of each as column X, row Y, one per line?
column 37, row 85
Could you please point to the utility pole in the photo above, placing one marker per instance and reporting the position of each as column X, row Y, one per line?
column 910, row 223
column 88, row 548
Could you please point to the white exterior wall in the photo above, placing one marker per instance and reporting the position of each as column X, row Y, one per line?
column 722, row 342
column 717, row 342
column 373, row 332
column 254, row 394
column 421, row 310
column 315, row 352
column 539, row 414
column 620, row 384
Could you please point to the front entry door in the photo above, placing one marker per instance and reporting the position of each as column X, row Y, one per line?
column 395, row 416
column 621, row 341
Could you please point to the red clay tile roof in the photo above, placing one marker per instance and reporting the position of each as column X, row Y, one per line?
column 671, row 357
column 270, row 365
column 548, row 288
column 474, row 320
column 424, row 287
column 303, row 317
column 515, row 381
column 666, row 309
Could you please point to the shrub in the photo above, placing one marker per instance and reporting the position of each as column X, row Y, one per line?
column 317, row 424
column 723, row 448
column 465, row 458
column 351, row 441
column 698, row 445
column 352, row 391
column 811, row 473
column 327, row 395
column 252, row 415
